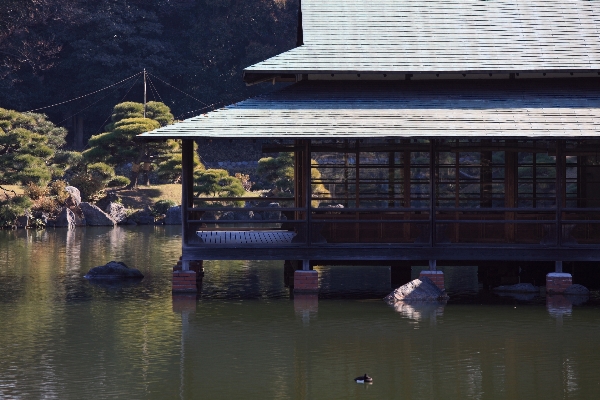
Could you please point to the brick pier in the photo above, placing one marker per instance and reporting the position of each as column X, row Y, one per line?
column 306, row 281
column 557, row 282
column 187, row 281
column 436, row 277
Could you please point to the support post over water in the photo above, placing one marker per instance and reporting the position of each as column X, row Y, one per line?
column 558, row 281
column 433, row 265
column 306, row 280
column 436, row 276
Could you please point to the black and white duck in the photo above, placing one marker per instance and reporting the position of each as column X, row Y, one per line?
column 363, row 379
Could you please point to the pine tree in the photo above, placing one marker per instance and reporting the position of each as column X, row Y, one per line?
column 120, row 145
column 28, row 145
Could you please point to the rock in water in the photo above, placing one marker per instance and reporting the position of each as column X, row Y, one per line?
column 65, row 219
column 114, row 270
column 173, row 216
column 578, row 290
column 94, row 216
column 116, row 211
column 421, row 289
column 518, row 288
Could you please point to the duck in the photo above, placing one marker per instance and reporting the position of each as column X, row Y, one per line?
column 363, row 379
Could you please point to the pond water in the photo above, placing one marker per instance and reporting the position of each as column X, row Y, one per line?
column 245, row 337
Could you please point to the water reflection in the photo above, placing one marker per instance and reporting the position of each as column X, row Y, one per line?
column 245, row 337
column 419, row 311
column 559, row 305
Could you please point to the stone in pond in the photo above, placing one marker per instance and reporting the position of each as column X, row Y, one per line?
column 114, row 270
column 94, row 216
column 518, row 288
column 578, row 290
column 421, row 289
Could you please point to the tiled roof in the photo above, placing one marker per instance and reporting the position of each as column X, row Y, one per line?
column 508, row 108
column 402, row 36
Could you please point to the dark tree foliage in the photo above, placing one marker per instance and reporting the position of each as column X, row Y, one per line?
column 56, row 50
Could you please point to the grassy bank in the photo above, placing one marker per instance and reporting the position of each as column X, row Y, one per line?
column 16, row 188
column 148, row 195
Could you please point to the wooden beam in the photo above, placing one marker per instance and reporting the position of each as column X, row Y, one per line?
column 187, row 187
column 357, row 252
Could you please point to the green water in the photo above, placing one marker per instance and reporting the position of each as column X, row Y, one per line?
column 244, row 337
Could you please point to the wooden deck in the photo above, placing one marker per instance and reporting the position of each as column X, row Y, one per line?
column 268, row 237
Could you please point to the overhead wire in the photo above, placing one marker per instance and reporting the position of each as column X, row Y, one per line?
column 154, row 90
column 179, row 90
column 85, row 95
column 117, row 85
column 110, row 113
column 95, row 102
column 210, row 106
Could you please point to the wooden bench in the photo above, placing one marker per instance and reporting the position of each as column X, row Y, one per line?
column 246, row 237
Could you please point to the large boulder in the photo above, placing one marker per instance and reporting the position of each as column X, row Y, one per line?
column 94, row 216
column 420, row 289
column 143, row 217
column 236, row 215
column 577, row 290
column 109, row 197
column 116, row 211
column 173, row 216
column 113, row 270
column 65, row 219
column 272, row 215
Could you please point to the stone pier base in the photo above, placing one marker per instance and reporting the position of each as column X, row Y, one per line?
column 557, row 282
column 436, row 277
column 188, row 281
column 306, row 281
column 184, row 282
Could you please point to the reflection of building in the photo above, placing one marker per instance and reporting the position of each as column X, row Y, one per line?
column 442, row 130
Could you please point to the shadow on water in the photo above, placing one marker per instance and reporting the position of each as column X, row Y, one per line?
column 115, row 284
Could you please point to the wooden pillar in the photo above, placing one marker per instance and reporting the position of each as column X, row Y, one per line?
column 391, row 177
column 560, row 188
column 457, row 191
column 432, row 199
column 298, row 180
column 406, row 191
column 357, row 189
column 346, row 175
column 357, row 174
column 307, row 190
column 581, row 186
column 187, row 189
column 510, row 188
column 486, row 176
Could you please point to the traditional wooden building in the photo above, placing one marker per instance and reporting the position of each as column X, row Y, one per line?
column 460, row 130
